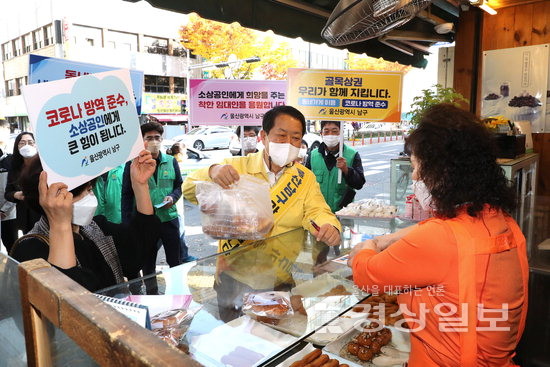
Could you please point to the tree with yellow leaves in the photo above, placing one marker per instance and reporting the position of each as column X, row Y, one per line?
column 216, row 41
column 364, row 62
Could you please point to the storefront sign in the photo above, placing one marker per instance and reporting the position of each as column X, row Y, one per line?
column 233, row 102
column 84, row 126
column 45, row 69
column 163, row 103
column 346, row 95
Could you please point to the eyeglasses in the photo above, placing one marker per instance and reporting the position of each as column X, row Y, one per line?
column 22, row 143
column 153, row 138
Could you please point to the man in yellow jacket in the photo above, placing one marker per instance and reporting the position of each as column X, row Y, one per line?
column 296, row 201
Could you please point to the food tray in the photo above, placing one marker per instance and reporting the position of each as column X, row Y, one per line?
column 321, row 285
column 302, row 353
column 242, row 342
column 400, row 341
column 369, row 218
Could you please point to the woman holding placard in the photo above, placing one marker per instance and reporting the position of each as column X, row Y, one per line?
column 90, row 250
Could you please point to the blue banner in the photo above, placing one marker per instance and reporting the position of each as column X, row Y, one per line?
column 46, row 69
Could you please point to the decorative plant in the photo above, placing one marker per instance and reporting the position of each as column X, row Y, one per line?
column 431, row 96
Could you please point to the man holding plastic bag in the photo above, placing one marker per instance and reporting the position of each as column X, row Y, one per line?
column 296, row 200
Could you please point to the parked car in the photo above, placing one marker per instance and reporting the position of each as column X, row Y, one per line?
column 206, row 137
column 235, row 145
column 195, row 160
column 313, row 140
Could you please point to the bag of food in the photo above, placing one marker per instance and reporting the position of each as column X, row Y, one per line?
column 242, row 212
column 268, row 307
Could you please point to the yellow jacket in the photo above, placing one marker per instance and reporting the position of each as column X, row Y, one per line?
column 308, row 204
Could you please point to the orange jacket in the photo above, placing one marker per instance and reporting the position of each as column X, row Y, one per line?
column 464, row 260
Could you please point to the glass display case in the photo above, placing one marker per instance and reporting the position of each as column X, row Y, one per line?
column 357, row 229
column 521, row 172
column 224, row 328
column 12, row 337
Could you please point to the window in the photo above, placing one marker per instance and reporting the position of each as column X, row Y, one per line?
column 122, row 40
column 19, row 82
column 17, row 47
column 10, row 88
column 27, row 42
column 87, row 36
column 48, row 32
column 156, row 84
column 7, row 50
column 179, row 85
column 38, row 39
column 125, row 46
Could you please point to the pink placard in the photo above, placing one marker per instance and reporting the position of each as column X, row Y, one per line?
column 233, row 102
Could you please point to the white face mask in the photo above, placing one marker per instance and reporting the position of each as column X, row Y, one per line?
column 153, row 146
column 422, row 194
column 282, row 153
column 249, row 143
column 28, row 151
column 84, row 210
column 302, row 153
column 331, row 140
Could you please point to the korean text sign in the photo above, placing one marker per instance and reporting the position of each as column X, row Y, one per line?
column 234, row 102
column 346, row 95
column 46, row 69
column 84, row 126
column 162, row 102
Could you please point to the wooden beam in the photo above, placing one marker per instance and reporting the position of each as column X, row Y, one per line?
column 541, row 145
column 541, row 23
column 467, row 55
column 117, row 341
column 36, row 341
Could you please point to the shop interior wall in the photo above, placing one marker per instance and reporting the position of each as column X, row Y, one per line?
column 514, row 26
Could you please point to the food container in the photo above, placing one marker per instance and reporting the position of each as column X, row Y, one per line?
column 321, row 286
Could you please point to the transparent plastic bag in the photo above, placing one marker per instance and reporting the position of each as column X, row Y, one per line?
column 269, row 307
column 242, row 212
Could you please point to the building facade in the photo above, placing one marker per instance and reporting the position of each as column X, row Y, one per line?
column 111, row 33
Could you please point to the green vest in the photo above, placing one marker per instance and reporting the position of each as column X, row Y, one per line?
column 328, row 180
column 108, row 192
column 163, row 185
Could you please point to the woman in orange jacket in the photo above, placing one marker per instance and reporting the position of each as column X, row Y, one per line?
column 462, row 274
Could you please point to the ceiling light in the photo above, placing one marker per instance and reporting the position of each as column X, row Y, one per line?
column 488, row 9
column 483, row 5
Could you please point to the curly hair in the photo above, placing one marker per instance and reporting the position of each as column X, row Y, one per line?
column 457, row 162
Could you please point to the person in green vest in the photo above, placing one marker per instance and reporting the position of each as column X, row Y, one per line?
column 327, row 160
column 108, row 191
column 165, row 190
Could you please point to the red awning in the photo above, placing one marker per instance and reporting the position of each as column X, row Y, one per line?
column 169, row 117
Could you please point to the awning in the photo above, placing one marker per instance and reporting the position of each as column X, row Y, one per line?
column 169, row 117
column 306, row 18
